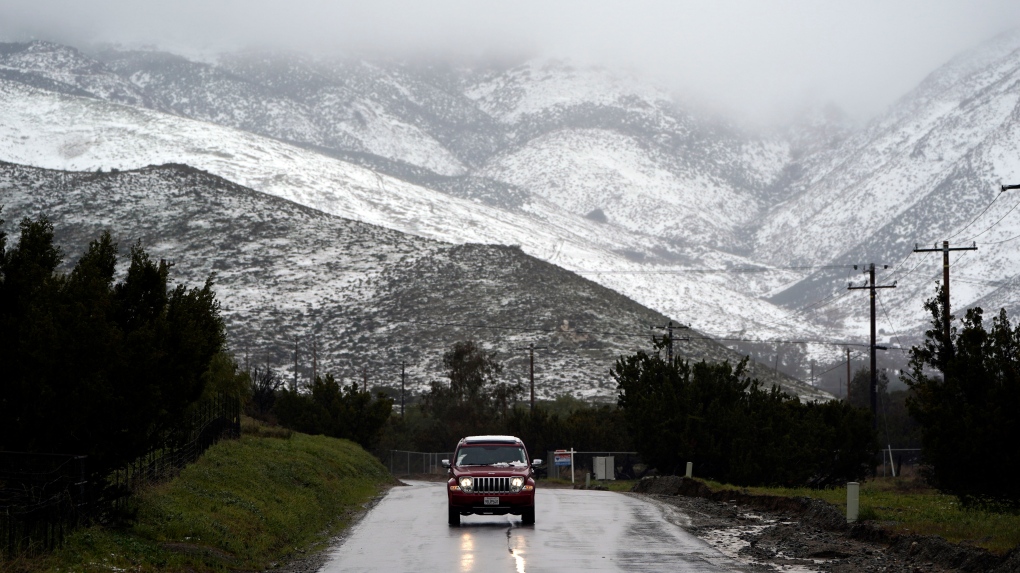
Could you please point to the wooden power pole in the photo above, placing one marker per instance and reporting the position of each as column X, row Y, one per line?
column 874, row 366
column 531, row 348
column 945, row 280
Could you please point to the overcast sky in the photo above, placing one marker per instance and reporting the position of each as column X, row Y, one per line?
column 757, row 59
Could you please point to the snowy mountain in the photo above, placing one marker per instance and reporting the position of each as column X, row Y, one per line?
column 60, row 131
column 928, row 171
column 363, row 297
column 748, row 237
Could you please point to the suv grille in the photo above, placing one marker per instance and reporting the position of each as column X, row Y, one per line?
column 491, row 485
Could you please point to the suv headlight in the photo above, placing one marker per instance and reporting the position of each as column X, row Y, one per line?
column 466, row 483
column 516, row 483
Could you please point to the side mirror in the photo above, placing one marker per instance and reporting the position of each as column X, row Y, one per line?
column 446, row 463
column 536, row 462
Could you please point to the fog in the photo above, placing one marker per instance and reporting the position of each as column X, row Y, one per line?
column 752, row 59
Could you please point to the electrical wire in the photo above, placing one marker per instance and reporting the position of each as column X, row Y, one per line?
column 996, row 222
column 889, row 320
column 1013, row 238
column 972, row 221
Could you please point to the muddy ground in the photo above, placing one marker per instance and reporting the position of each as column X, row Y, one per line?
column 801, row 535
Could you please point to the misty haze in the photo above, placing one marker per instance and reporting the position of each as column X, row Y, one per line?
column 370, row 185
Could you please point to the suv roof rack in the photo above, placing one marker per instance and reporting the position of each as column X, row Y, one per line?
column 492, row 440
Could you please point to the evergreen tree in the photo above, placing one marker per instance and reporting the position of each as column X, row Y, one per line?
column 92, row 367
column 966, row 395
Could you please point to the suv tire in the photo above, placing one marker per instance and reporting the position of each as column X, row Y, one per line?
column 528, row 516
column 454, row 516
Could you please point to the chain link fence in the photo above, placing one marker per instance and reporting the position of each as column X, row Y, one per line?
column 408, row 463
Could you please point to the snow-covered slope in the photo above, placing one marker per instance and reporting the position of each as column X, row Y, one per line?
column 613, row 177
column 362, row 295
column 929, row 170
column 747, row 237
column 66, row 132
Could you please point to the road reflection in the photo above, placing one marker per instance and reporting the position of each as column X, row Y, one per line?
column 467, row 552
column 519, row 551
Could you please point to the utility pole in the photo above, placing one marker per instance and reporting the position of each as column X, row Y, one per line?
column 874, row 369
column 1009, row 188
column 403, row 365
column 945, row 279
column 531, row 348
column 315, row 360
column 847, row 375
column 669, row 336
column 294, row 386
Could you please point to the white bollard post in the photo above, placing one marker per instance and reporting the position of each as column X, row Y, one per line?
column 690, row 469
column 853, row 501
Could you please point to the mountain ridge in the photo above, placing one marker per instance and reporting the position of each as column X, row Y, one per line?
column 748, row 236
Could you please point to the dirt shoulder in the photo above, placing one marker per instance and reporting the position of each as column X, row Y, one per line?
column 773, row 533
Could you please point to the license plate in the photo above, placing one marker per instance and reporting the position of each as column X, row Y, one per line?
column 492, row 501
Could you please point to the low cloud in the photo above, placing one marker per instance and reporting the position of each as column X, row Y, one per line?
column 753, row 59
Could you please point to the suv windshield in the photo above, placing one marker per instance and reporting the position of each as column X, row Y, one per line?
column 490, row 455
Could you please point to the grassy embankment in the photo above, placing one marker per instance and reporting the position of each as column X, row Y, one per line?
column 244, row 505
column 906, row 506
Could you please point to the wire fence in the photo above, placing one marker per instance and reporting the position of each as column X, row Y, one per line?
column 210, row 421
column 407, row 463
column 43, row 497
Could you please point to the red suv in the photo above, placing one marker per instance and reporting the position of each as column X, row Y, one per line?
column 491, row 475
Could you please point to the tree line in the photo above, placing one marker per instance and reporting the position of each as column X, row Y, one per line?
column 733, row 429
column 109, row 368
column 95, row 366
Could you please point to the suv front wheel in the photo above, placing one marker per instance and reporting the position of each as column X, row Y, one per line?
column 528, row 516
column 454, row 516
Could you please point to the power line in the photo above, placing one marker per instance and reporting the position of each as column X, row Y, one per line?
column 972, row 221
column 886, row 313
column 1013, row 238
column 996, row 222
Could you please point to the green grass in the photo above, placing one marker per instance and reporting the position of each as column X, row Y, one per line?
column 245, row 505
column 904, row 505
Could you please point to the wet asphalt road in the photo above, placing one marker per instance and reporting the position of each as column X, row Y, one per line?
column 574, row 530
